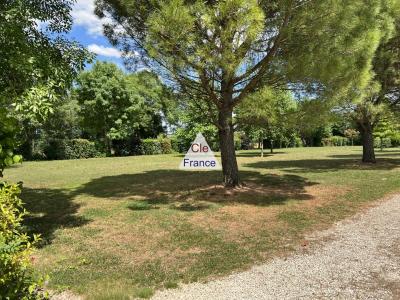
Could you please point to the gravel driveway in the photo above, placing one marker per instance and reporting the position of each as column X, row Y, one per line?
column 360, row 259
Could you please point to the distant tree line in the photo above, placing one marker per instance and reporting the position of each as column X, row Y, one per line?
column 108, row 112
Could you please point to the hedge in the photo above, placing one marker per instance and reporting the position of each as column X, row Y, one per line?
column 335, row 141
column 382, row 143
column 156, row 146
column 70, row 149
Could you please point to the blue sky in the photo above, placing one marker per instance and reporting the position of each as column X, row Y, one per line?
column 88, row 31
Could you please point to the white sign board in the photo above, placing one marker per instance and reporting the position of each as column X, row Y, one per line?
column 200, row 156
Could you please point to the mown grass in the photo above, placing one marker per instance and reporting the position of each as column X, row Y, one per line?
column 114, row 228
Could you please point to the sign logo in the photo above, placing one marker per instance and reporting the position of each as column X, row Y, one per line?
column 200, row 156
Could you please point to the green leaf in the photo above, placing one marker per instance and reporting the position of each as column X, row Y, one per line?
column 8, row 161
column 17, row 158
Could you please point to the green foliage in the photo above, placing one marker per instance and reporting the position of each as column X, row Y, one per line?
column 219, row 43
column 313, row 120
column 268, row 114
column 387, row 126
column 382, row 143
column 238, row 141
column 351, row 134
column 70, row 149
column 296, row 142
column 115, row 106
column 336, row 141
column 184, row 136
column 220, row 52
column 16, row 278
column 387, row 60
column 160, row 145
column 37, row 65
column 151, row 147
column 80, row 148
column 382, row 92
column 165, row 144
column 8, row 131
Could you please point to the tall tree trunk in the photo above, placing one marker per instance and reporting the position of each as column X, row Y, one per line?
column 228, row 156
column 272, row 146
column 368, row 143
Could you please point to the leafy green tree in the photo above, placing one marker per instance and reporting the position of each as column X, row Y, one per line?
column 267, row 114
column 36, row 64
column 222, row 51
column 313, row 120
column 351, row 134
column 386, row 128
column 383, row 91
column 63, row 124
column 114, row 105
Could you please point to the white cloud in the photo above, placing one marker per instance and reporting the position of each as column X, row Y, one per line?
column 105, row 51
column 83, row 15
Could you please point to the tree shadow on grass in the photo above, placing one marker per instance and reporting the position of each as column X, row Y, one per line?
column 257, row 153
column 378, row 155
column 172, row 186
column 185, row 191
column 49, row 210
column 335, row 163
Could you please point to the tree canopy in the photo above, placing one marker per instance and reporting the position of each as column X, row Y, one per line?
column 36, row 63
column 268, row 114
column 114, row 105
column 222, row 51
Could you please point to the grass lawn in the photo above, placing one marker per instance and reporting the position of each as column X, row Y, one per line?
column 119, row 227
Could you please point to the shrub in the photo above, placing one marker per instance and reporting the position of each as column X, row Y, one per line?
column 160, row 145
column 175, row 144
column 382, row 142
column 70, row 149
column 295, row 142
column 16, row 277
column 80, row 148
column 151, row 147
column 165, row 144
column 54, row 149
column 395, row 139
column 335, row 141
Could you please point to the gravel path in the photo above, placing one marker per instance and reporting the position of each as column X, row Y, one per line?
column 360, row 259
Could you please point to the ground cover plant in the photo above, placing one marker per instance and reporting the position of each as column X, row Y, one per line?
column 113, row 228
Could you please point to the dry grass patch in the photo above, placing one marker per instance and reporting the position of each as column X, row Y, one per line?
column 116, row 228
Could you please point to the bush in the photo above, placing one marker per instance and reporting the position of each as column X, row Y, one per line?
column 382, row 143
column 165, row 144
column 16, row 277
column 395, row 139
column 80, row 148
column 70, row 149
column 335, row 141
column 151, row 147
column 296, row 142
column 160, row 145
